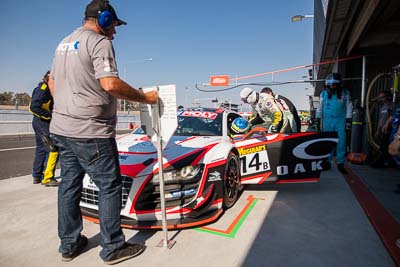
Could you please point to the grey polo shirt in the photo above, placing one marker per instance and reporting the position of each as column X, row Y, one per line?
column 82, row 108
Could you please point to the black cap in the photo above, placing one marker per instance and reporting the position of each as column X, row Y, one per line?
column 94, row 8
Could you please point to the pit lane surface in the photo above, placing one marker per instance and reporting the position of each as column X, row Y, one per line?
column 319, row 224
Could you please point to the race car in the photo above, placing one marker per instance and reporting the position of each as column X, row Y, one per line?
column 205, row 165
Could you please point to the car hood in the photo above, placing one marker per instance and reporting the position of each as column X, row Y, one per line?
column 142, row 144
column 138, row 156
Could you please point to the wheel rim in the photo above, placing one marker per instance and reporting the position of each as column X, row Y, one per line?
column 232, row 179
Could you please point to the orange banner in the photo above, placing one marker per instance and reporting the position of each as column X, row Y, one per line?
column 220, row 80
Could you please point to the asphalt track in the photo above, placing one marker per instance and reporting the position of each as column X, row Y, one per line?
column 314, row 224
column 16, row 155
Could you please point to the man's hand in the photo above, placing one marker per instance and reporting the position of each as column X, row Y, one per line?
column 151, row 97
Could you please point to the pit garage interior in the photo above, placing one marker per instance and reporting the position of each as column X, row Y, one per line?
column 362, row 39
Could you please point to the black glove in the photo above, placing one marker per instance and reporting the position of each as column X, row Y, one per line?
column 256, row 120
column 251, row 122
column 273, row 129
column 48, row 143
column 317, row 124
column 348, row 124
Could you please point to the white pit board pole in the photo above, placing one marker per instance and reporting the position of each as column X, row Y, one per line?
column 165, row 242
column 152, row 119
column 161, row 176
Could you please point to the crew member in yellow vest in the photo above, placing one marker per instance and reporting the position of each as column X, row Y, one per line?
column 46, row 156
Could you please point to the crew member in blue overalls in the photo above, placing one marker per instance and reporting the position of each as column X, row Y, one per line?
column 335, row 110
column 46, row 155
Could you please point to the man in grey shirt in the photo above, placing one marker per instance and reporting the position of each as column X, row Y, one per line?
column 85, row 85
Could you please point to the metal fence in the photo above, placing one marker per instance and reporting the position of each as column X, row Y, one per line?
column 20, row 121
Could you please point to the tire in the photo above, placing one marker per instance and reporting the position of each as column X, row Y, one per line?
column 231, row 181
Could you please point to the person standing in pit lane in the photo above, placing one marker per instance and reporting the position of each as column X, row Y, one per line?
column 335, row 110
column 45, row 161
column 382, row 132
column 85, row 85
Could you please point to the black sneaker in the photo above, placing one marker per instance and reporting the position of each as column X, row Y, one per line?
column 126, row 252
column 69, row 256
column 37, row 180
column 341, row 168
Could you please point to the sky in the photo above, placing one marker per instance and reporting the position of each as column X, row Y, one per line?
column 188, row 41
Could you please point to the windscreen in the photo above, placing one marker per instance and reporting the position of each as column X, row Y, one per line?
column 199, row 123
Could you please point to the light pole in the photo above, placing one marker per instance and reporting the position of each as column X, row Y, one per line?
column 298, row 18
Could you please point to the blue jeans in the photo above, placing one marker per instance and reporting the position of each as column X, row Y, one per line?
column 99, row 159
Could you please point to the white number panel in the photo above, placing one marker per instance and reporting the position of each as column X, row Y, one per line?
column 254, row 160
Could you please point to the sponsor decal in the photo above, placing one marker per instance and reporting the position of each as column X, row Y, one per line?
column 122, row 157
column 71, row 47
column 178, row 194
column 221, row 80
column 89, row 184
column 214, row 176
column 218, row 159
column 251, row 150
column 299, row 168
column 108, row 64
column 200, row 114
column 302, row 151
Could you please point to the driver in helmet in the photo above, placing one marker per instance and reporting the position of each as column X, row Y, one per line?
column 335, row 110
column 239, row 126
column 267, row 111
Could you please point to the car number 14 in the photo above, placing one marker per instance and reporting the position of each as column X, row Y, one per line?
column 255, row 162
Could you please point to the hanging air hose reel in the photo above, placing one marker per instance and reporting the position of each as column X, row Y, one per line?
column 370, row 106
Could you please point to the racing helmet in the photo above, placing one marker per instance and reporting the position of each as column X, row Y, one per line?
column 240, row 125
column 333, row 78
column 249, row 96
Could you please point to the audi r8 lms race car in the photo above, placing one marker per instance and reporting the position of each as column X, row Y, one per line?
column 205, row 166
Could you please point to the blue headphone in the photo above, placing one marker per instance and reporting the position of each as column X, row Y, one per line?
column 105, row 18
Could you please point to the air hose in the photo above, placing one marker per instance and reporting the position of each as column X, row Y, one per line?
column 395, row 82
column 370, row 132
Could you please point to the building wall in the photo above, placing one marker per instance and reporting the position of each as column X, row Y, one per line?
column 319, row 32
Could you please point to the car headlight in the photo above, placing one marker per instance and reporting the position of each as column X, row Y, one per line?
column 185, row 173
